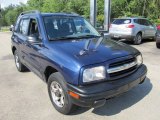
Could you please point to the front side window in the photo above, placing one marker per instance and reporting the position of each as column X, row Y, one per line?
column 63, row 26
column 33, row 28
column 23, row 28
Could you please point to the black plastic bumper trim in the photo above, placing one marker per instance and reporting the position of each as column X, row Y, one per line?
column 94, row 95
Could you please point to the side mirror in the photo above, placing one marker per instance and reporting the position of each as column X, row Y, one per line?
column 11, row 29
column 33, row 40
column 102, row 34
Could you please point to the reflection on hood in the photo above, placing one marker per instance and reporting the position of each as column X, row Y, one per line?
column 87, row 44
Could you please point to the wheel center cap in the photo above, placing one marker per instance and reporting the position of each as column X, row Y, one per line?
column 57, row 93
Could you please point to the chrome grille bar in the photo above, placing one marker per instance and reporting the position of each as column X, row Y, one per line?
column 122, row 67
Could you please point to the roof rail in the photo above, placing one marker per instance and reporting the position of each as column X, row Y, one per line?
column 73, row 13
column 31, row 11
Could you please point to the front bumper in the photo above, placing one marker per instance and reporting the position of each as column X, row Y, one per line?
column 95, row 95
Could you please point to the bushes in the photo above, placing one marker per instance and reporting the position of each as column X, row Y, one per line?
column 4, row 29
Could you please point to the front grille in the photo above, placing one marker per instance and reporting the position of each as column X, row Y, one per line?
column 122, row 68
column 119, row 63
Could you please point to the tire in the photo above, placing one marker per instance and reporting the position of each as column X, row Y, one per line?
column 58, row 93
column 138, row 39
column 158, row 45
column 20, row 67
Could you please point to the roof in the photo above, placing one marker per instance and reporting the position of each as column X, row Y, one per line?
column 131, row 18
column 36, row 12
column 60, row 14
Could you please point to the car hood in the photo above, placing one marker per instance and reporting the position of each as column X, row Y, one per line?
column 73, row 51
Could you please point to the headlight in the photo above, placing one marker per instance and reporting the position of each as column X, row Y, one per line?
column 139, row 59
column 93, row 74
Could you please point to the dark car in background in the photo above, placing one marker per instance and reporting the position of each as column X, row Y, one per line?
column 158, row 39
column 158, row 27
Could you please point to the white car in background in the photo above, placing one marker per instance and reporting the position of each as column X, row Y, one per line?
column 133, row 29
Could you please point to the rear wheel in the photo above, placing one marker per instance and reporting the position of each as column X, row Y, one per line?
column 158, row 45
column 19, row 65
column 138, row 39
column 58, row 94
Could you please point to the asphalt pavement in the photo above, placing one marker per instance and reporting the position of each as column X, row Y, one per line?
column 23, row 96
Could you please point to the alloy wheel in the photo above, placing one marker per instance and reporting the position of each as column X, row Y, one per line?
column 57, row 94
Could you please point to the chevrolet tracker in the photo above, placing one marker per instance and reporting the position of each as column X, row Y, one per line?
column 80, row 66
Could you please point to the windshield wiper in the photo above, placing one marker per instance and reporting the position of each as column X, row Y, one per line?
column 62, row 38
column 75, row 37
column 89, row 36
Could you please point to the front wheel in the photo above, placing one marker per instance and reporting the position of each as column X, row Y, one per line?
column 58, row 94
column 138, row 39
column 19, row 65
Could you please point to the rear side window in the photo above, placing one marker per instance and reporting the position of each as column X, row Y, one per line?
column 121, row 21
column 143, row 22
column 136, row 21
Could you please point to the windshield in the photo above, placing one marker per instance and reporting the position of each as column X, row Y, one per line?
column 58, row 27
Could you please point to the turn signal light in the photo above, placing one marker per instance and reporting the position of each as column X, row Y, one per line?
column 74, row 95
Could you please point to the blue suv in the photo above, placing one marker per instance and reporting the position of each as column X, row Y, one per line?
column 80, row 66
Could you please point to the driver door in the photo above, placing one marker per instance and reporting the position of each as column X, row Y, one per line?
column 32, row 55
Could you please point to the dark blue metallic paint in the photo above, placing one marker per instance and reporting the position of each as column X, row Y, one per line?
column 64, row 55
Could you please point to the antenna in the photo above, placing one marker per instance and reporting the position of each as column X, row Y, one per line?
column 0, row 16
column 0, row 7
column 0, row 12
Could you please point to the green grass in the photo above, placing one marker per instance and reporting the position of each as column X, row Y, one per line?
column 4, row 29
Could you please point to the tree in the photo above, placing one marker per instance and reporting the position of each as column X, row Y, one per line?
column 35, row 4
column 54, row 5
column 66, row 6
column 11, row 17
